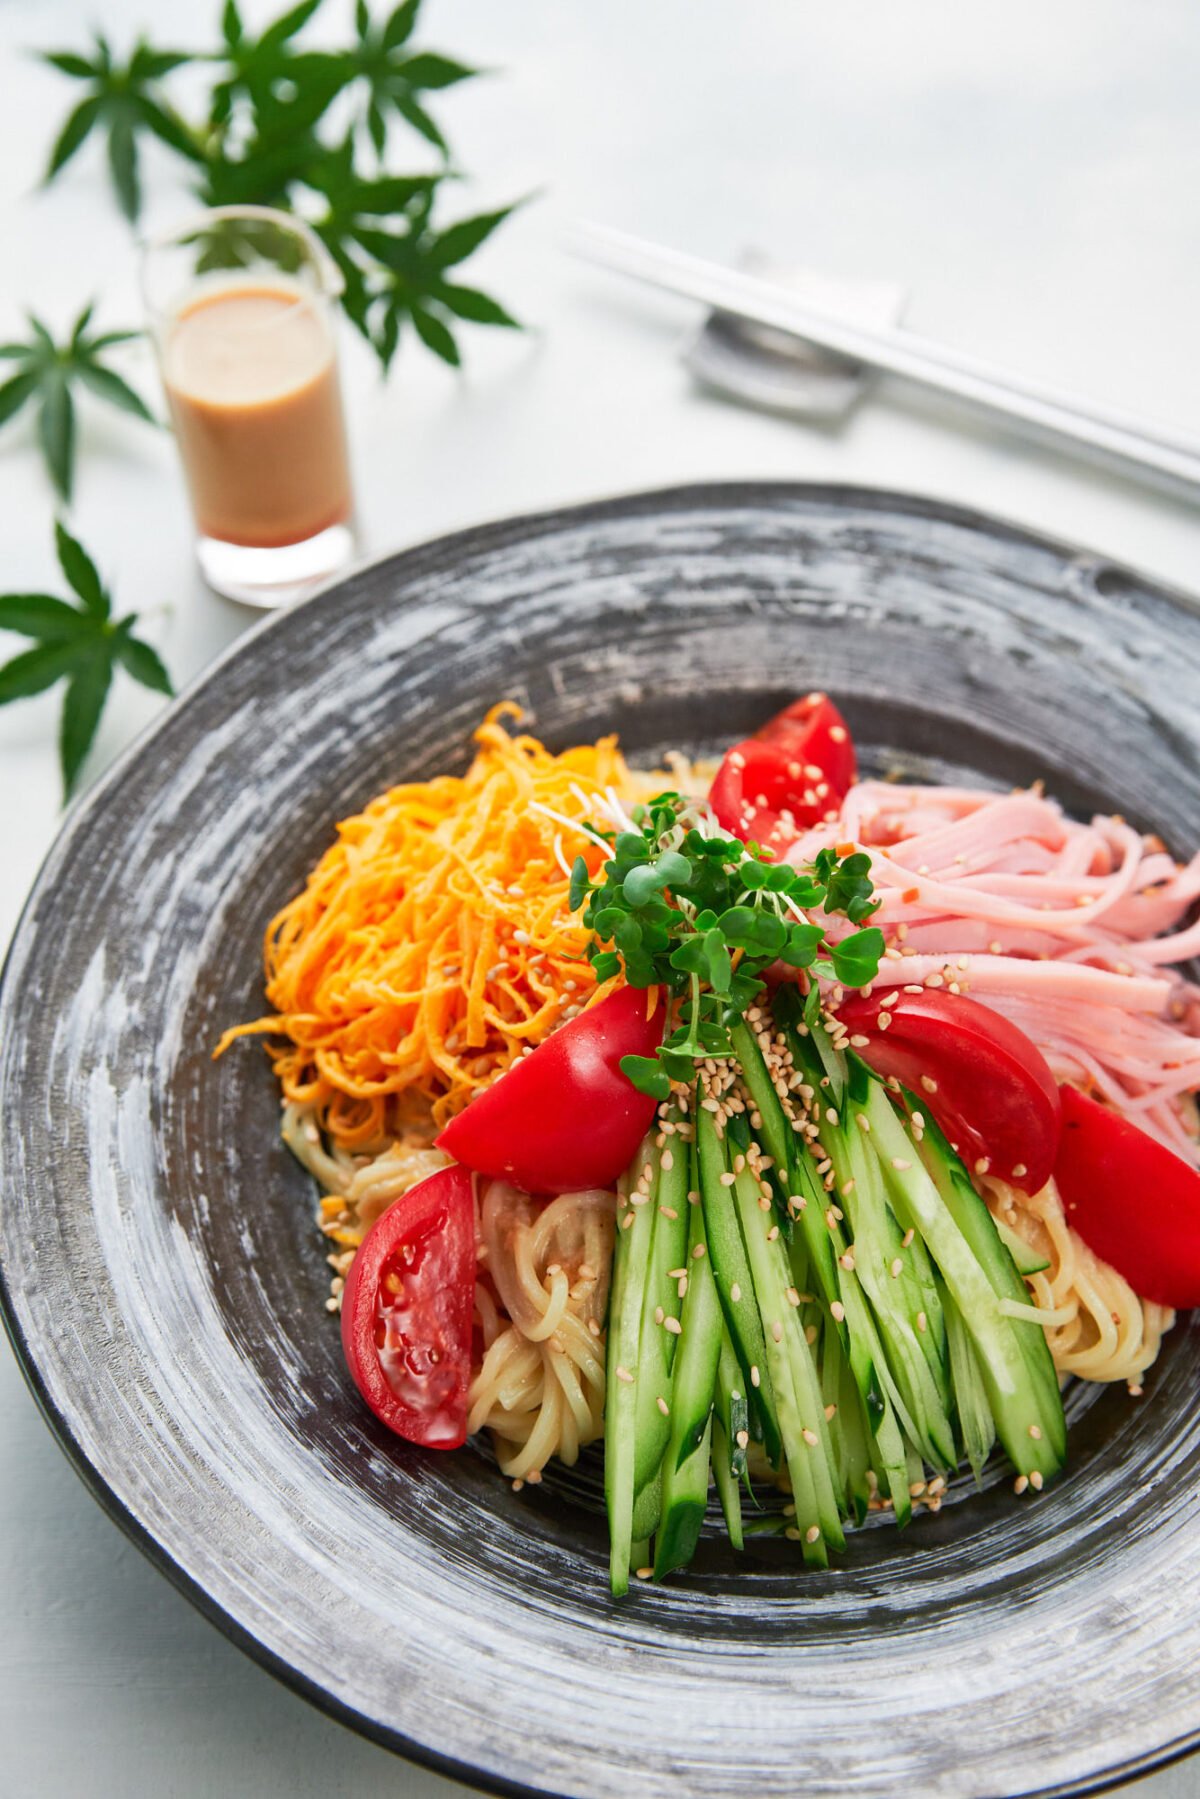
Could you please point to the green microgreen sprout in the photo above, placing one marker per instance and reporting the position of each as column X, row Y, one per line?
column 679, row 905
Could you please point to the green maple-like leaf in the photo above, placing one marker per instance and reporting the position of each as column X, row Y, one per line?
column 266, row 141
column 409, row 281
column 125, row 102
column 46, row 375
column 79, row 641
column 395, row 78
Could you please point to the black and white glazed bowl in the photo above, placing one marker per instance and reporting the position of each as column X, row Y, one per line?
column 164, row 1285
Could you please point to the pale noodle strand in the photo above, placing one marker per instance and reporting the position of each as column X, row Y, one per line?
column 1096, row 1325
column 541, row 1387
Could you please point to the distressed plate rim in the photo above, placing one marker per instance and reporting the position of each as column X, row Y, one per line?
column 446, row 547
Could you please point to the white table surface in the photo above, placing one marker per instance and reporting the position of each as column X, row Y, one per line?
column 1029, row 171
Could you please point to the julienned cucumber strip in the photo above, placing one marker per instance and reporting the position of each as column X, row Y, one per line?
column 731, row 1271
column 882, row 1261
column 631, row 1264
column 684, row 1499
column 733, row 1414
column 800, row 1407
column 979, row 1227
column 661, row 1301
column 975, row 1421
column 877, row 1396
column 647, row 1507
column 792, row 1162
column 917, row 1276
column 1029, row 1422
column 728, row 1489
column 1026, row 1259
column 694, row 1375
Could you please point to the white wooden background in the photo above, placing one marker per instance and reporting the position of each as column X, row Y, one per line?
column 1030, row 171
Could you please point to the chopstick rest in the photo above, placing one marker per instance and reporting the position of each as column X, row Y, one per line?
column 777, row 371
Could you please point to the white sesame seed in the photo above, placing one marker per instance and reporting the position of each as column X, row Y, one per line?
column 897, row 1269
column 755, row 1376
column 698, row 1251
column 735, row 1292
column 1021, row 1484
column 898, row 1162
column 1035, row 1431
column 1036, row 1480
column 623, row 1374
column 837, row 1311
column 674, row 1326
column 810, row 1437
column 922, row 1322
column 743, row 1439
column 812, row 1533
column 907, row 1238
column 663, row 1407
column 645, row 1573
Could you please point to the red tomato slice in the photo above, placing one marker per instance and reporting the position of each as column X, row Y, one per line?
column 407, row 1311
column 792, row 774
column 1133, row 1201
column 992, row 1091
column 565, row 1118
column 816, row 728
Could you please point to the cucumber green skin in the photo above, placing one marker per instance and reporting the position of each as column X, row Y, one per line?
column 647, row 1508
column 916, row 1359
column 631, row 1263
column 728, row 1488
column 727, row 1252
column 698, row 1351
column 795, row 1381
column 1026, row 1259
column 791, row 1158
column 684, row 1502
column 657, row 1345
column 976, row 1424
column 979, row 1227
column 878, row 1399
column 934, row 1195
column 683, row 1476
column 731, row 1409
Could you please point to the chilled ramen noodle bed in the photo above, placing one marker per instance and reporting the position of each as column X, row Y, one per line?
column 782, row 1129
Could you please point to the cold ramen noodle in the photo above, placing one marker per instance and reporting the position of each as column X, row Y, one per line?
column 771, row 1125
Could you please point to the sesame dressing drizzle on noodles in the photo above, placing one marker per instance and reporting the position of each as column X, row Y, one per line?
column 1070, row 930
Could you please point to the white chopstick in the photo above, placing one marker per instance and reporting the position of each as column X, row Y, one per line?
column 1169, row 458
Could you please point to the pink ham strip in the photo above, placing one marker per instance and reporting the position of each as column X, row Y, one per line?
column 1080, row 912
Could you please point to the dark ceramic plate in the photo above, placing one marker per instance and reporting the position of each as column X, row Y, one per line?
column 164, row 1285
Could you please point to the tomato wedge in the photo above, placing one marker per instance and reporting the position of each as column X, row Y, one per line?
column 565, row 1118
column 407, row 1310
column 1134, row 1202
column 814, row 727
column 792, row 774
column 989, row 1088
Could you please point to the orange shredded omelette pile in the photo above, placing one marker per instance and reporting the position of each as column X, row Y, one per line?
column 433, row 942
